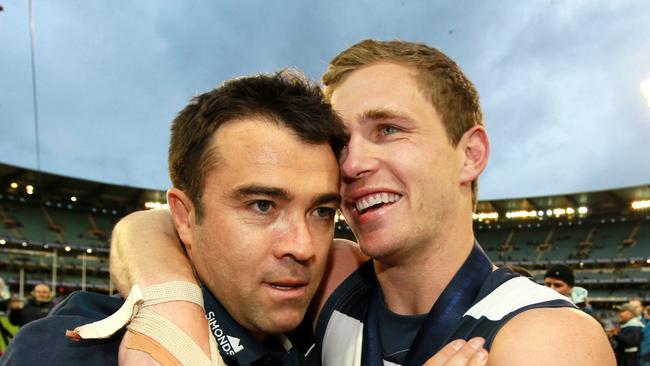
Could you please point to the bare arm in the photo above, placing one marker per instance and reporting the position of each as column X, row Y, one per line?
column 146, row 250
column 542, row 337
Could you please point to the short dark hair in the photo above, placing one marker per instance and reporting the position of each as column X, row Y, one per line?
column 561, row 272
column 286, row 97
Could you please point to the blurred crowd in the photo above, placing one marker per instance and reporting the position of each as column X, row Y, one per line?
column 628, row 329
column 19, row 311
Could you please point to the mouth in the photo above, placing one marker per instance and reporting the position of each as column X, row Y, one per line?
column 285, row 287
column 375, row 201
column 288, row 285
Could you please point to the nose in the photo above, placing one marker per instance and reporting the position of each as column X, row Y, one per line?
column 297, row 242
column 359, row 158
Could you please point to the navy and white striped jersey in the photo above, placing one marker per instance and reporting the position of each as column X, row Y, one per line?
column 475, row 305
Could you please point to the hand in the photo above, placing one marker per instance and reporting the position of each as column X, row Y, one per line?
column 461, row 353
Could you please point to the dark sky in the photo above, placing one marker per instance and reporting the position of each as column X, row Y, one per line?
column 559, row 80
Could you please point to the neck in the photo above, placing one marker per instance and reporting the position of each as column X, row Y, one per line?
column 411, row 285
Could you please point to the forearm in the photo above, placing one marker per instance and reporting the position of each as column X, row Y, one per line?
column 146, row 250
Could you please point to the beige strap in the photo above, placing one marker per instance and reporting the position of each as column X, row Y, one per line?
column 149, row 323
column 172, row 338
column 137, row 299
column 141, row 342
column 107, row 327
column 172, row 291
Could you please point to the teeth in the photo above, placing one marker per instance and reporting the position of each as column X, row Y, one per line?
column 376, row 199
column 282, row 287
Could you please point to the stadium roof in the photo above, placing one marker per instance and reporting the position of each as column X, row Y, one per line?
column 613, row 201
column 58, row 188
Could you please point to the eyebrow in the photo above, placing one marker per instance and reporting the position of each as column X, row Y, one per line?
column 327, row 198
column 282, row 194
column 259, row 190
column 381, row 115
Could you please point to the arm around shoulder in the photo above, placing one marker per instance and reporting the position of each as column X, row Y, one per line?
column 552, row 336
column 145, row 249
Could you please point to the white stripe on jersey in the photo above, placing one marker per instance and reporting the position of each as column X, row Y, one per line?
column 343, row 342
column 512, row 295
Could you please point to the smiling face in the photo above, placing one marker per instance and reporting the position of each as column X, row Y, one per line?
column 401, row 176
column 42, row 293
column 269, row 204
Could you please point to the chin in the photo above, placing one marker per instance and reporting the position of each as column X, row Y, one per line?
column 286, row 321
column 373, row 246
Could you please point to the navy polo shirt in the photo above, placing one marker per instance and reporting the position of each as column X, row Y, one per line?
column 44, row 341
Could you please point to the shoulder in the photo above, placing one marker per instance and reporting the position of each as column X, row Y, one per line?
column 45, row 339
column 345, row 258
column 88, row 304
column 551, row 336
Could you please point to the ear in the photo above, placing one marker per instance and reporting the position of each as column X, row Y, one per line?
column 183, row 215
column 475, row 149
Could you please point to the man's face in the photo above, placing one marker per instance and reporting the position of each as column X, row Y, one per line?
column 268, row 223
column 625, row 316
column 399, row 162
column 638, row 306
column 558, row 285
column 41, row 293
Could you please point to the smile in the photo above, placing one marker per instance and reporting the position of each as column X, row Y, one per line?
column 376, row 200
column 285, row 288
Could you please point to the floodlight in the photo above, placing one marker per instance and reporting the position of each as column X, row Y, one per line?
column 645, row 90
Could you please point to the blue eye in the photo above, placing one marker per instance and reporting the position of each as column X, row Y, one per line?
column 263, row 206
column 388, row 130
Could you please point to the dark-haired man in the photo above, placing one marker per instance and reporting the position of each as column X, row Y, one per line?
column 409, row 179
column 560, row 278
column 256, row 186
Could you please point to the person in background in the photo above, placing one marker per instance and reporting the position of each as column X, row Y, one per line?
column 637, row 304
column 644, row 350
column 561, row 279
column 5, row 296
column 36, row 307
column 626, row 338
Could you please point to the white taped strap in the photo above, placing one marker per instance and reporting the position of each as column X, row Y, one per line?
column 172, row 338
column 138, row 298
column 107, row 327
column 172, row 291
